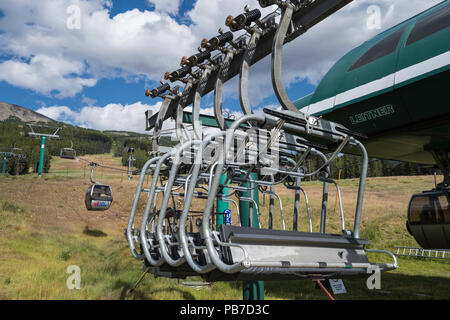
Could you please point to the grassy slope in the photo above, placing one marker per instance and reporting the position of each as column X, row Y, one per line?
column 44, row 228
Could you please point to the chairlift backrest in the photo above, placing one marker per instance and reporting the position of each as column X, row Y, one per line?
column 67, row 153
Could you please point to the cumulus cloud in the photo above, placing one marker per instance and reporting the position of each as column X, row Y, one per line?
column 110, row 117
column 49, row 57
column 169, row 6
column 46, row 75
column 131, row 44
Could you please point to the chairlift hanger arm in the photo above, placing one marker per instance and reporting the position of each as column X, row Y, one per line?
column 161, row 116
column 179, row 126
column 206, row 73
column 229, row 53
column 93, row 165
column 250, row 50
column 302, row 20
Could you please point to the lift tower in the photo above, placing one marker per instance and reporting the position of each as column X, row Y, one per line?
column 43, row 137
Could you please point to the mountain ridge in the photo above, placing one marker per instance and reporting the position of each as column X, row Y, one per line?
column 26, row 115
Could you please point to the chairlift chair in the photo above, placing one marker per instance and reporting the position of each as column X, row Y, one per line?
column 68, row 153
column 231, row 251
column 18, row 152
column 249, row 253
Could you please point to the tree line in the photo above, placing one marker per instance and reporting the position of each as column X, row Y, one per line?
column 349, row 166
column 14, row 132
column 141, row 145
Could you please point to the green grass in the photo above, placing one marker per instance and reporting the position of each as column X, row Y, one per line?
column 11, row 207
column 108, row 272
column 35, row 254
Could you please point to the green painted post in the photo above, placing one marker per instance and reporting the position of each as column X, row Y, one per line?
column 41, row 157
column 4, row 163
column 252, row 290
column 221, row 205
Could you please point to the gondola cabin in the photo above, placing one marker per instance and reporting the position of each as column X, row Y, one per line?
column 429, row 219
column 98, row 197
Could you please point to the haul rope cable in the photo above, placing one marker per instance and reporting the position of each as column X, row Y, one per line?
column 92, row 163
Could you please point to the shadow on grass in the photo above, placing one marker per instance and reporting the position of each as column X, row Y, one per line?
column 93, row 232
column 124, row 293
column 144, row 295
column 393, row 287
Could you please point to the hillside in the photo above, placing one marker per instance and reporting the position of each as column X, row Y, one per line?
column 14, row 129
column 12, row 110
column 52, row 230
column 13, row 132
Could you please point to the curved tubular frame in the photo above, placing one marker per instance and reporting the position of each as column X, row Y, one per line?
column 197, row 101
column 202, row 269
column 271, row 202
column 181, row 105
column 212, row 195
column 388, row 266
column 258, row 213
column 221, row 76
column 277, row 52
column 129, row 233
column 244, row 70
column 92, row 174
column 159, row 121
column 324, row 165
column 299, row 189
column 177, row 154
column 296, row 197
column 338, row 190
column 361, row 188
column 281, row 209
column 296, row 204
column 226, row 199
column 308, row 209
column 146, row 218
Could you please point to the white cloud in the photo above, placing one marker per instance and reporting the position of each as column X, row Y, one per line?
column 88, row 101
column 131, row 44
column 113, row 116
column 169, row 6
column 62, row 113
column 45, row 74
column 51, row 59
column 207, row 16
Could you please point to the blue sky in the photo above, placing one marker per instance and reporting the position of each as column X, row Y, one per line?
column 95, row 74
column 117, row 90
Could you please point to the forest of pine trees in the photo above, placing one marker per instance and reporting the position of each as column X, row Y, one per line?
column 13, row 132
column 350, row 166
column 141, row 147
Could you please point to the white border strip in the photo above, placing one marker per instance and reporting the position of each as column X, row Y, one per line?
column 366, row 89
column 423, row 67
column 320, row 106
column 398, row 77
